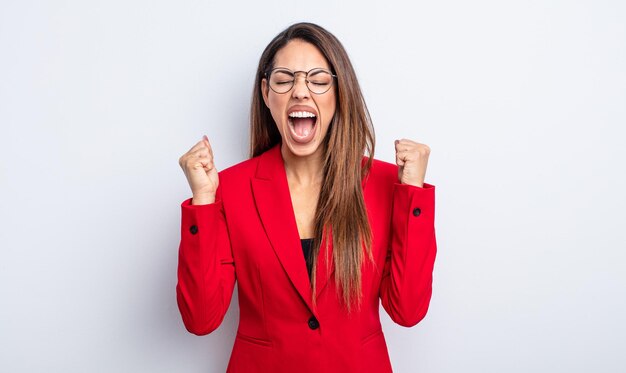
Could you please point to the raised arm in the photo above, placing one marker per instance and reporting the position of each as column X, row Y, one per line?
column 406, row 286
column 206, row 269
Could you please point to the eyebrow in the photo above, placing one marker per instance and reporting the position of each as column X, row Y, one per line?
column 319, row 70
column 282, row 69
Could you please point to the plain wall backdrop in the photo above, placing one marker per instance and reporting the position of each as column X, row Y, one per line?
column 522, row 102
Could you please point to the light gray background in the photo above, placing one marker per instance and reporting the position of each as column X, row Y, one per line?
column 522, row 102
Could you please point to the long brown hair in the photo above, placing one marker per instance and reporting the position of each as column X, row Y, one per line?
column 341, row 212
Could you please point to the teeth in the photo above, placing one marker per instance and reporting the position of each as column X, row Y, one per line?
column 301, row 114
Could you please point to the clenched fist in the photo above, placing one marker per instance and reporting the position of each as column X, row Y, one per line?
column 412, row 159
column 200, row 171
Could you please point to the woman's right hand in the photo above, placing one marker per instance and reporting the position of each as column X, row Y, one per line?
column 200, row 171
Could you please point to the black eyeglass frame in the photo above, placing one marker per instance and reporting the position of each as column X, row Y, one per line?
column 306, row 79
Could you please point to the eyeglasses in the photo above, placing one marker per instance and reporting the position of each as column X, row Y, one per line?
column 318, row 80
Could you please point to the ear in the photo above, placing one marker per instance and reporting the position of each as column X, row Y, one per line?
column 265, row 91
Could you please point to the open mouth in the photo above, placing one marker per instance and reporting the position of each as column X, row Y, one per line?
column 302, row 125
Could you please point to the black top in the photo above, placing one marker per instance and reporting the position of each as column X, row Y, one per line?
column 306, row 250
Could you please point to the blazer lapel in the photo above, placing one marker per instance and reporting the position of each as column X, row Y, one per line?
column 273, row 202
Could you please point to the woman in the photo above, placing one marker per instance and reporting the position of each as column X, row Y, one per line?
column 315, row 234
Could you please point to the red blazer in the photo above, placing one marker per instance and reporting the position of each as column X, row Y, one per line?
column 250, row 235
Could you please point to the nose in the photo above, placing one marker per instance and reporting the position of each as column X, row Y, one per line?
column 300, row 89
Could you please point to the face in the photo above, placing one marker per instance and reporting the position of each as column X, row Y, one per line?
column 302, row 117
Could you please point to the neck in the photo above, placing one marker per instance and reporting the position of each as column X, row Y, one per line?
column 303, row 171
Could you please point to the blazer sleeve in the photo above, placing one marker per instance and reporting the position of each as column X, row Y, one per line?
column 406, row 286
column 206, row 268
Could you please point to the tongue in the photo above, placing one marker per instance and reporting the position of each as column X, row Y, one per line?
column 303, row 126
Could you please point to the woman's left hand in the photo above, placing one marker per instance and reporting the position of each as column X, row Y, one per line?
column 412, row 160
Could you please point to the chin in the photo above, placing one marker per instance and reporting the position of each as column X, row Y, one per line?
column 302, row 150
